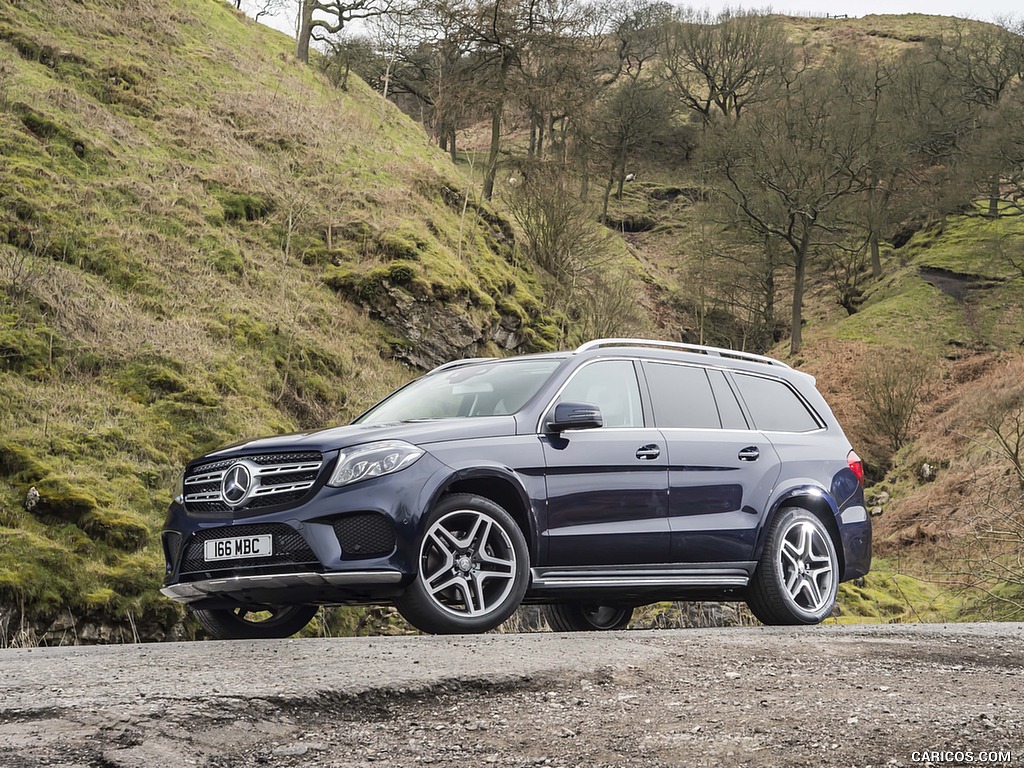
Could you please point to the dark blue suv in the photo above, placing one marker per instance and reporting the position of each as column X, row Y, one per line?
column 623, row 473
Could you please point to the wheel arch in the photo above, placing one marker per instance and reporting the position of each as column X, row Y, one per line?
column 819, row 503
column 501, row 486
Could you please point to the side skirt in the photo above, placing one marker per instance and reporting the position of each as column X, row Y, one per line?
column 649, row 583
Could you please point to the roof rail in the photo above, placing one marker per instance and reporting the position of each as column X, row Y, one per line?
column 715, row 351
column 457, row 363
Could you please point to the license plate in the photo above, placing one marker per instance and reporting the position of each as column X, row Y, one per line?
column 238, row 547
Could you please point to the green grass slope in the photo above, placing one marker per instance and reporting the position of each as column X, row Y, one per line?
column 201, row 241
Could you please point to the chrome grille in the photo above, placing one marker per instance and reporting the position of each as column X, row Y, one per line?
column 277, row 478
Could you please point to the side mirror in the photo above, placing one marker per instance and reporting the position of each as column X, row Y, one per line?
column 575, row 416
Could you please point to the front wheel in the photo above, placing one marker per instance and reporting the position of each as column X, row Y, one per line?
column 255, row 623
column 798, row 576
column 472, row 570
column 582, row 617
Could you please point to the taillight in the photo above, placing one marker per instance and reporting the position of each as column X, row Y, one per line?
column 856, row 466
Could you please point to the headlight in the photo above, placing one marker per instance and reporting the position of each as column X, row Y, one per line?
column 373, row 460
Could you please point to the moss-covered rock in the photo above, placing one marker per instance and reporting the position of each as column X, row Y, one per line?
column 116, row 527
column 66, row 498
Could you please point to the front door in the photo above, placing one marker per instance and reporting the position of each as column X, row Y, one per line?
column 607, row 487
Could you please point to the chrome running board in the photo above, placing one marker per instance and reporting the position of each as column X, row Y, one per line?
column 555, row 579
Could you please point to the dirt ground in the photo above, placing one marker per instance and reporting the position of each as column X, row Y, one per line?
column 822, row 696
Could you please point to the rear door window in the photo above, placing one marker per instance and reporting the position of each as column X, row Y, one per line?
column 681, row 396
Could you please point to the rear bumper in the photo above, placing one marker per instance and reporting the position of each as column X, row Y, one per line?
column 258, row 588
column 856, row 539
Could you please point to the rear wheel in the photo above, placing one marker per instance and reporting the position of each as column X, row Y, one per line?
column 798, row 576
column 472, row 571
column 255, row 623
column 584, row 617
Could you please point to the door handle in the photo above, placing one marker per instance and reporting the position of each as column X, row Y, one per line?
column 648, row 452
column 750, row 453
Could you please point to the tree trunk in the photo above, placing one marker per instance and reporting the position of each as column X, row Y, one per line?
column 769, row 292
column 876, row 256
column 451, row 147
column 796, row 334
column 540, row 137
column 622, row 173
column 993, row 198
column 531, row 150
column 874, row 206
column 492, row 157
column 305, row 31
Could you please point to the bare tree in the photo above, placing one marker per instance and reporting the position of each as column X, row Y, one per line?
column 559, row 230
column 725, row 63
column 344, row 54
column 318, row 18
column 633, row 113
column 789, row 170
column 894, row 382
column 260, row 8
column 637, row 29
column 984, row 63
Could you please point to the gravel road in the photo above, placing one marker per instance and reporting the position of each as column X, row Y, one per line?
column 819, row 696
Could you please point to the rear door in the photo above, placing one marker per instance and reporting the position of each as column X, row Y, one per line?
column 607, row 487
column 721, row 471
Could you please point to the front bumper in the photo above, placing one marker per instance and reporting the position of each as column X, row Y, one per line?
column 318, row 557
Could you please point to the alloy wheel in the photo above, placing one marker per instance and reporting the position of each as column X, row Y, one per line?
column 468, row 563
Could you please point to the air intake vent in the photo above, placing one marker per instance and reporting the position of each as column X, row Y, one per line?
column 364, row 536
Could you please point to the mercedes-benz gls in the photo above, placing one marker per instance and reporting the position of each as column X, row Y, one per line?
column 593, row 481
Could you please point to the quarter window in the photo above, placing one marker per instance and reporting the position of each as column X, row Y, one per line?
column 681, row 396
column 774, row 406
column 611, row 385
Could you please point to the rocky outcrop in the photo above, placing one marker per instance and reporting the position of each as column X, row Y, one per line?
column 427, row 332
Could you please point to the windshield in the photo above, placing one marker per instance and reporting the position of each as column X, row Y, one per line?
column 484, row 389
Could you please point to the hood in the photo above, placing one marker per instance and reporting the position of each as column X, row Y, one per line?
column 416, row 432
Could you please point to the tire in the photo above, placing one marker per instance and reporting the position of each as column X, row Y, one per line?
column 798, row 576
column 585, row 617
column 472, row 568
column 248, row 624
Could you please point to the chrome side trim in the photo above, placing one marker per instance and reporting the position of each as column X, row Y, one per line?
column 187, row 592
column 672, row 581
column 564, row 580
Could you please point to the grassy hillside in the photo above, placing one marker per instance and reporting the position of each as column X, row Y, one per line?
column 201, row 241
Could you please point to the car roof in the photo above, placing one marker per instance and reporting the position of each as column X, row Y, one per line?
column 657, row 350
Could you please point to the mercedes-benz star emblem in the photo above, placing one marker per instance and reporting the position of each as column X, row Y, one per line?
column 235, row 485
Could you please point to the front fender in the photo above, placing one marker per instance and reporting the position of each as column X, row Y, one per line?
column 500, row 483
